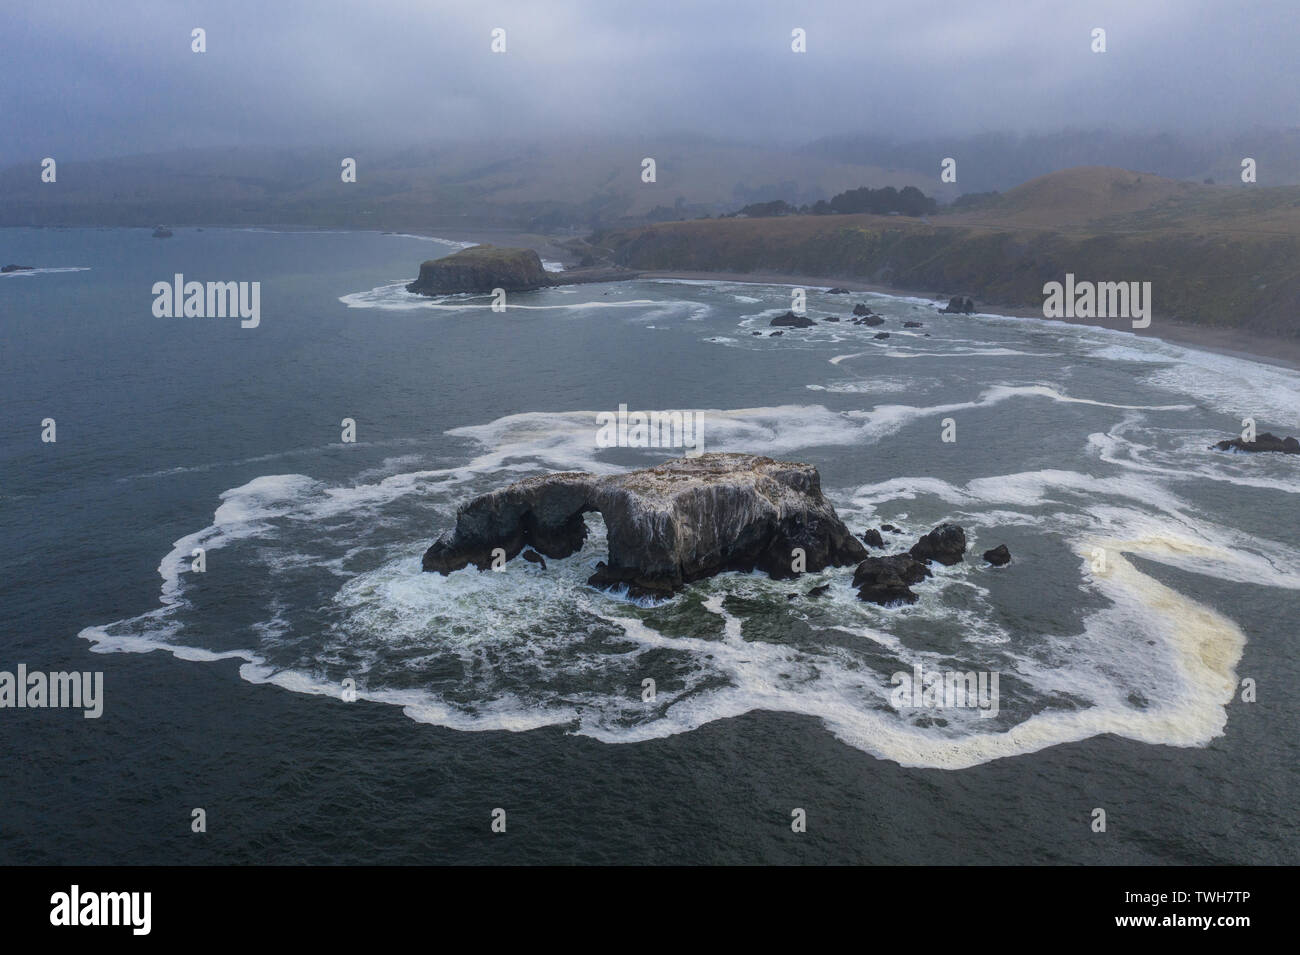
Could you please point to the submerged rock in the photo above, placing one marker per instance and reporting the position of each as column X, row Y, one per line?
column 946, row 544
column 881, row 335
column 998, row 556
column 683, row 520
column 791, row 320
column 913, row 325
column 1263, row 442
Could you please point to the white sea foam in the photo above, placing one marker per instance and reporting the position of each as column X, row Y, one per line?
column 395, row 297
column 48, row 271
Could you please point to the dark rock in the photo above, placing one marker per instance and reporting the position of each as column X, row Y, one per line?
column 756, row 333
column 681, row 521
column 890, row 528
column 946, row 544
column 998, row 555
column 957, row 305
column 861, row 309
column 534, row 558
column 832, row 318
column 873, row 320
column 18, row 268
column 886, row 580
column 482, row 268
column 912, row 325
column 1263, row 442
column 162, row 232
column 837, row 291
column 776, row 334
column 791, row 320
column 871, row 537
column 819, row 590
column 881, row 335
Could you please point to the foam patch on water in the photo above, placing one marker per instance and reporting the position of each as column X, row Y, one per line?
column 48, row 271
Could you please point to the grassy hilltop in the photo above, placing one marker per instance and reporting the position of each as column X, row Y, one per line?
column 1215, row 255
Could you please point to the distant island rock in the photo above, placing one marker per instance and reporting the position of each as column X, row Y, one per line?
column 668, row 525
column 18, row 268
column 483, row 268
column 1263, row 442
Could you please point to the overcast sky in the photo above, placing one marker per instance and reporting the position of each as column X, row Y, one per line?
column 93, row 79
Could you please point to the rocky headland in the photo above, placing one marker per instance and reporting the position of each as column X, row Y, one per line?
column 484, row 268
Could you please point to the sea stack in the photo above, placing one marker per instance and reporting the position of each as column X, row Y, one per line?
column 668, row 525
column 485, row 268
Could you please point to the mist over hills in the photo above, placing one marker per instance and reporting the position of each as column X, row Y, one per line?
column 565, row 185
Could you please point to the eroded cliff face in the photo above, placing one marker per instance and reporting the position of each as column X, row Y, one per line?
column 482, row 268
column 668, row 525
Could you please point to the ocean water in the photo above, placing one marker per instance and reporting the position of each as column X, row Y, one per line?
column 1120, row 684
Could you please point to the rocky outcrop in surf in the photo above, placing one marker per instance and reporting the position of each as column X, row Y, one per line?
column 886, row 580
column 998, row 556
column 791, row 320
column 946, row 544
column 681, row 521
column 1263, row 442
column 957, row 305
column 484, row 268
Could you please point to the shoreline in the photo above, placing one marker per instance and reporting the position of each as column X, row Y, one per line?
column 1232, row 342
